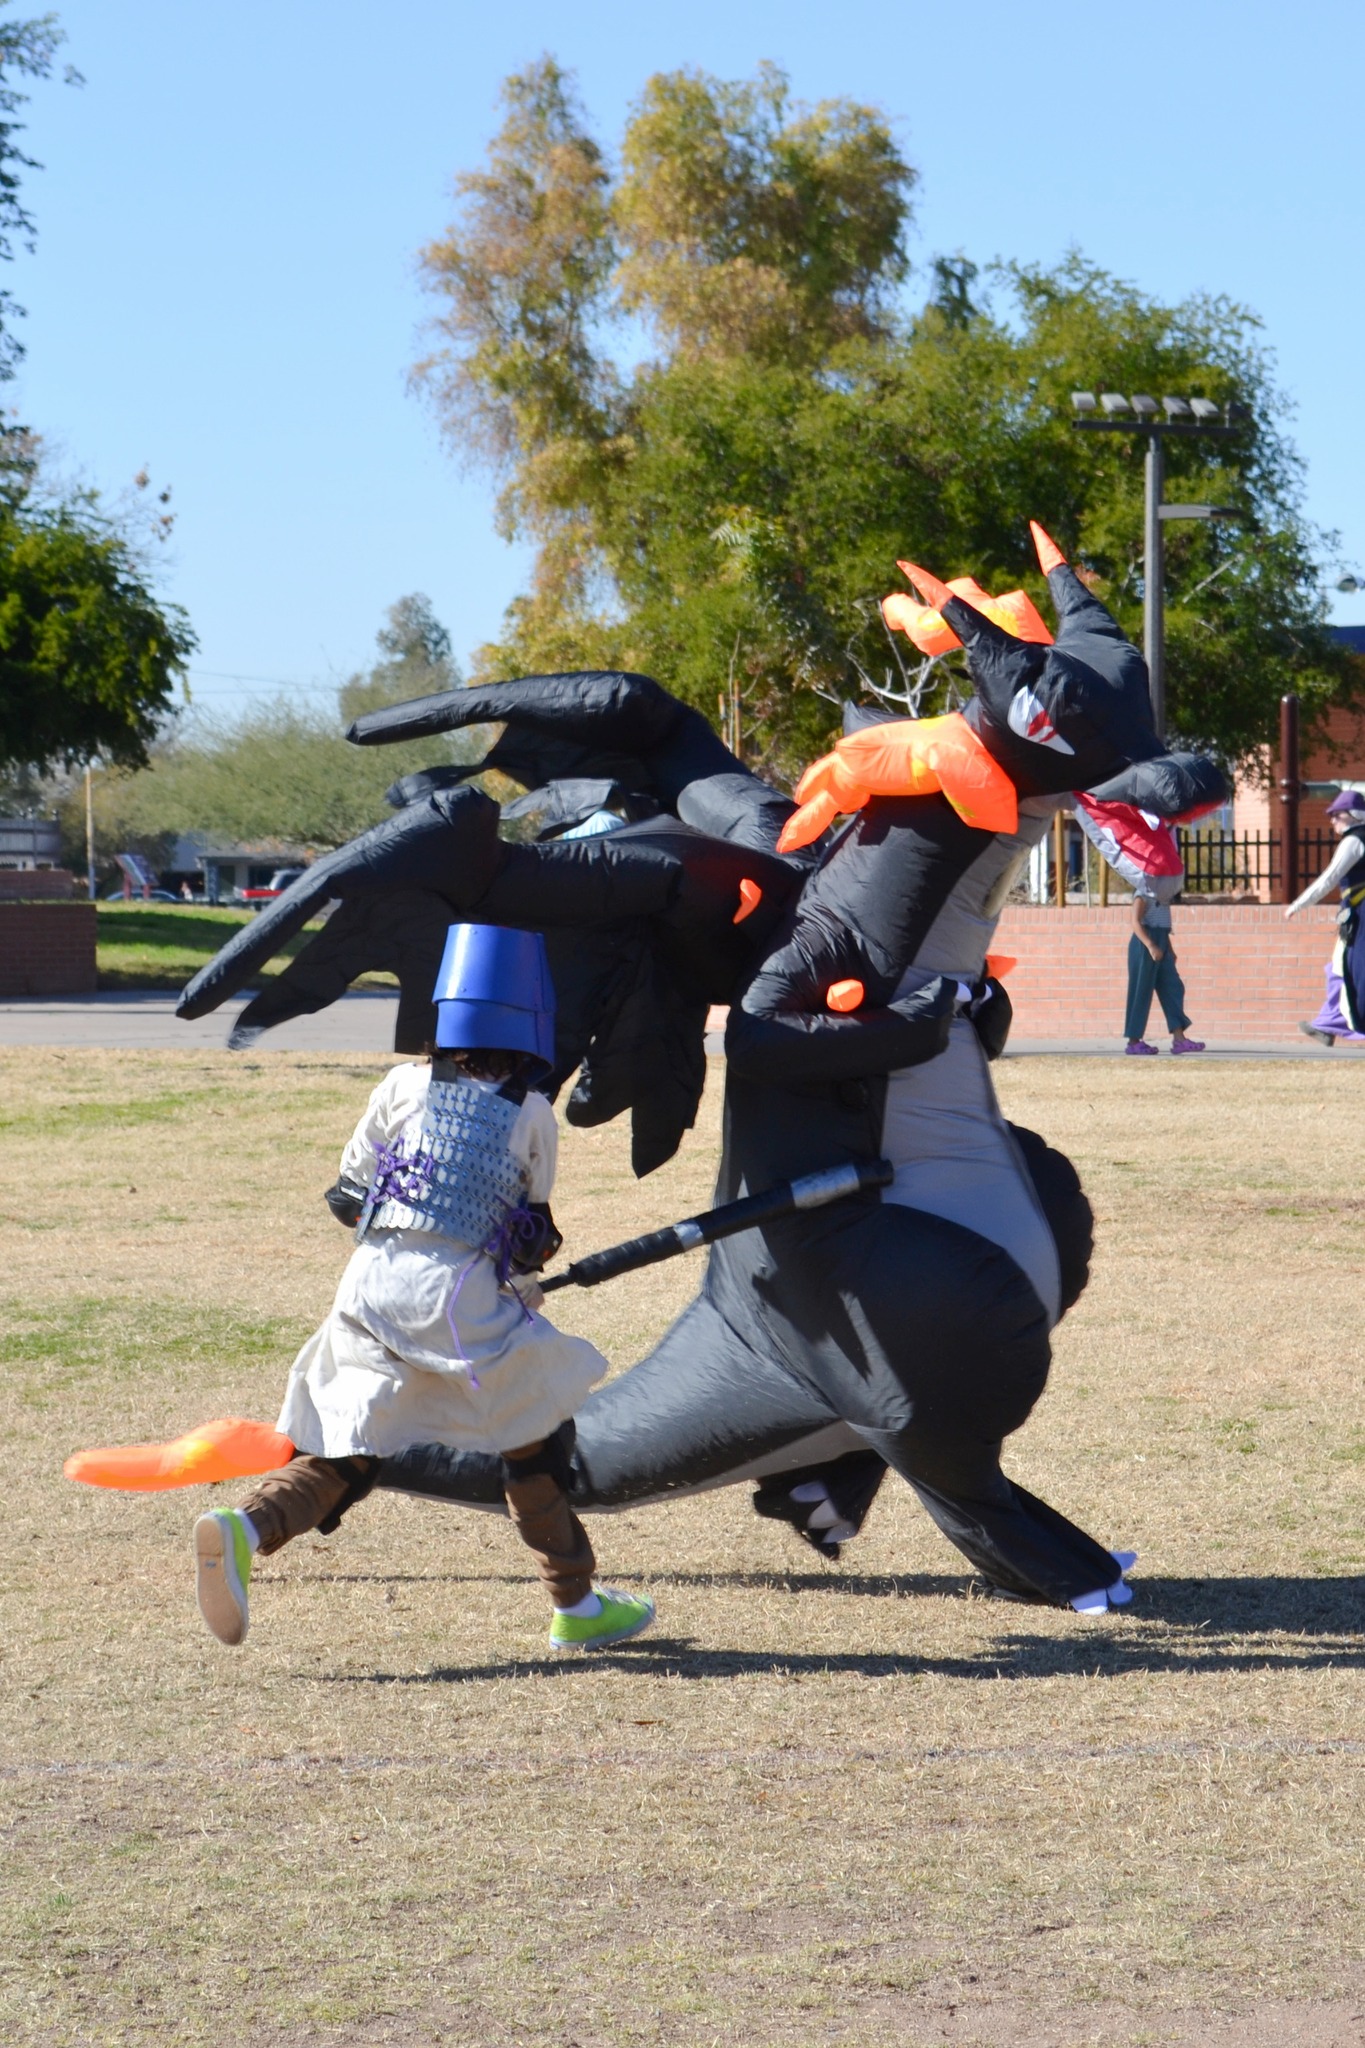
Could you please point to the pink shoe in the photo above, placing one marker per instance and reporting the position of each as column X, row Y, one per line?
column 1187, row 1045
column 1140, row 1045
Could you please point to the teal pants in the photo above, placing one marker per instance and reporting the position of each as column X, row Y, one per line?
column 1147, row 978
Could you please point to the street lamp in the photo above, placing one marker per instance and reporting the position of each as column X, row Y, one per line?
column 1185, row 417
column 90, row 768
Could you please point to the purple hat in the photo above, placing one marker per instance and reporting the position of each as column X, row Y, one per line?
column 1349, row 800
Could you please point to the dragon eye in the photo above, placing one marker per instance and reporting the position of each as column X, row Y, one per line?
column 1029, row 717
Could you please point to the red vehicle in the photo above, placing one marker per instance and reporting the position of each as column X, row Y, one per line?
column 279, row 882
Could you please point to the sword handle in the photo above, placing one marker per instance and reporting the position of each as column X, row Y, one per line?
column 810, row 1191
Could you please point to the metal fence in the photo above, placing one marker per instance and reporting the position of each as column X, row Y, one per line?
column 1218, row 862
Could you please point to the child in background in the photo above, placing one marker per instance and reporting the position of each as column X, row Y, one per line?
column 1144, row 852
column 430, row 1338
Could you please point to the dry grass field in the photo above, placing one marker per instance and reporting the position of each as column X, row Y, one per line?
column 856, row 1804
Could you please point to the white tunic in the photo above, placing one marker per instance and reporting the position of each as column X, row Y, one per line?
column 422, row 1345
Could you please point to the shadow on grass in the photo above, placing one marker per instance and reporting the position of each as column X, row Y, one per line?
column 1202, row 1627
column 878, row 1585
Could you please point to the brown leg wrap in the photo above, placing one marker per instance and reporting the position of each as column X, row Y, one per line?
column 549, row 1528
column 303, row 1494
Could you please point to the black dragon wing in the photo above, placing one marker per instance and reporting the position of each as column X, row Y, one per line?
column 646, row 925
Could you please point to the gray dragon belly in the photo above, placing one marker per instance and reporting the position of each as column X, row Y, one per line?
column 955, row 1157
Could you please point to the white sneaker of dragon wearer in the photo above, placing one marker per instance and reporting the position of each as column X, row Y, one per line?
column 824, row 1515
column 1105, row 1597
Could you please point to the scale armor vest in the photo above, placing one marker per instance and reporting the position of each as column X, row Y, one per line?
column 461, row 1181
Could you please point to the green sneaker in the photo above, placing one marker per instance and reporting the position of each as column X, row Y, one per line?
column 223, row 1553
column 621, row 1617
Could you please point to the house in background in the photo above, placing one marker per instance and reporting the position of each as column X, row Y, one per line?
column 30, row 843
column 30, row 860
column 219, row 869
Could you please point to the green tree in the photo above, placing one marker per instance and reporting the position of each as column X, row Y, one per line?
column 727, row 512
column 89, row 656
column 752, row 226
column 416, row 661
column 283, row 771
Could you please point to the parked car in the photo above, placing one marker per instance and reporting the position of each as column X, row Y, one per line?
column 152, row 896
column 279, row 882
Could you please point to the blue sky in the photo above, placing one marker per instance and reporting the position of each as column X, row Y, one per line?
column 224, row 286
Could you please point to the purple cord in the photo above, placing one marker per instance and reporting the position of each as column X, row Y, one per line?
column 518, row 1227
column 401, row 1176
column 518, row 1230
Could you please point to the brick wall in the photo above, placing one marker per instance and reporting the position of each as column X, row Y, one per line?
column 27, row 885
column 47, row 949
column 1337, row 756
column 1247, row 972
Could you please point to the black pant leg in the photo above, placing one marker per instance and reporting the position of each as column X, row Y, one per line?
column 934, row 1345
column 1015, row 1540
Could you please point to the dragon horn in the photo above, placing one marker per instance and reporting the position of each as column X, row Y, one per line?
column 933, row 592
column 1050, row 555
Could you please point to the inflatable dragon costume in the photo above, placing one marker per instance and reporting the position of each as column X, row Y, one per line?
column 908, row 1328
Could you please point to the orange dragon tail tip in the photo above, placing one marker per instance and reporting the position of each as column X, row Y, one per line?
column 998, row 965
column 1050, row 555
column 844, row 996
column 930, row 587
column 750, row 896
column 227, row 1448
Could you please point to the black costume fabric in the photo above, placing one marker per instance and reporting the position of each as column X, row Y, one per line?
column 910, row 1331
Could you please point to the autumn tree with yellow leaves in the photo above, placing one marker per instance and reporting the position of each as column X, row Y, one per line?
column 713, row 407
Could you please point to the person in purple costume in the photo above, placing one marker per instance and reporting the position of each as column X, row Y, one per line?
column 1342, row 1015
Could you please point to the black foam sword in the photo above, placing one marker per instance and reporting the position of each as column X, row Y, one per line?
column 811, row 1191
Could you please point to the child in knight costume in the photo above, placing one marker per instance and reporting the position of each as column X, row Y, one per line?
column 431, row 1337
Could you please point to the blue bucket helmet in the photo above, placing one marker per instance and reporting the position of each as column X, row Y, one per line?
column 494, row 989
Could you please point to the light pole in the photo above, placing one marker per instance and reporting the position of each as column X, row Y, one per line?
column 90, row 766
column 1187, row 418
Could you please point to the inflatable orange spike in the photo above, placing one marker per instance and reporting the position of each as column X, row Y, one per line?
column 844, row 996
column 920, row 623
column 906, row 757
column 229, row 1448
column 928, row 585
column 998, row 965
column 1018, row 614
column 1050, row 555
column 915, row 756
column 750, row 896
column 930, row 632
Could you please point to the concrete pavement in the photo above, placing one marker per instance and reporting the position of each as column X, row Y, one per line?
column 1217, row 1049
column 363, row 1022
column 147, row 1022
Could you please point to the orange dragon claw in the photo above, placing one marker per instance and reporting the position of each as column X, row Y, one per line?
column 804, row 827
column 750, row 896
